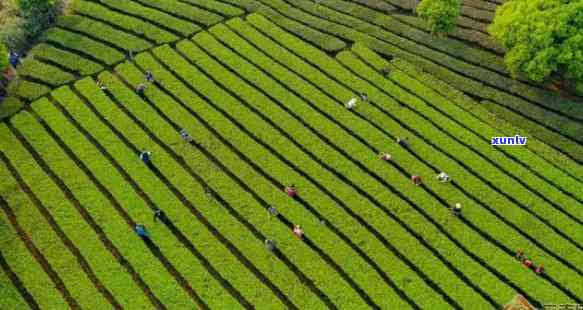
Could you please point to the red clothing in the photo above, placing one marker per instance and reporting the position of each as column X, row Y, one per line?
column 528, row 263
column 291, row 191
column 416, row 179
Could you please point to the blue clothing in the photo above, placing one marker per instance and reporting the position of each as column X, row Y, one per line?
column 14, row 59
column 141, row 231
column 145, row 157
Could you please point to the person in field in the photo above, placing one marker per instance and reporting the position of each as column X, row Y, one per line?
column 140, row 89
column 404, row 142
column 291, row 191
column 149, row 76
column 146, row 157
column 101, row 85
column 540, row 269
column 528, row 263
column 457, row 209
column 270, row 245
column 363, row 97
column 416, row 179
column 298, row 231
column 443, row 177
column 351, row 104
column 160, row 215
column 520, row 255
column 385, row 156
column 184, row 135
column 13, row 58
column 142, row 232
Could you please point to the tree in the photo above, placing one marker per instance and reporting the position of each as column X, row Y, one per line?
column 543, row 38
column 440, row 15
column 29, row 7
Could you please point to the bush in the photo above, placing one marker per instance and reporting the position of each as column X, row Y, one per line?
column 543, row 38
column 440, row 15
column 3, row 57
column 21, row 32
column 32, row 7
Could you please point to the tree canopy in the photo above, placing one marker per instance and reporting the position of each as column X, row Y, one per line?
column 440, row 15
column 31, row 6
column 543, row 38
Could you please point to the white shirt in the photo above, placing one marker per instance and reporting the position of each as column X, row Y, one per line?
column 351, row 104
column 443, row 177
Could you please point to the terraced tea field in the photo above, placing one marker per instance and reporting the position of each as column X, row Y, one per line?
column 260, row 86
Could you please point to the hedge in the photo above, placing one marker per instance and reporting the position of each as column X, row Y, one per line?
column 181, row 27
column 558, row 159
column 24, row 89
column 118, row 231
column 100, row 260
column 130, row 23
column 352, row 172
column 339, row 252
column 193, row 271
column 30, row 273
column 541, row 97
column 84, row 44
column 526, row 157
column 443, row 162
column 216, row 6
column 481, row 4
column 67, row 59
column 340, row 10
column 44, row 72
column 115, row 37
column 324, row 41
column 11, row 295
column 427, row 105
column 283, row 277
column 308, row 92
column 9, row 106
column 240, row 277
column 307, row 138
column 470, row 35
column 477, row 13
column 177, row 8
column 63, row 262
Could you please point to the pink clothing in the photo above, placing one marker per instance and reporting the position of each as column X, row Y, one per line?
column 299, row 232
column 290, row 192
